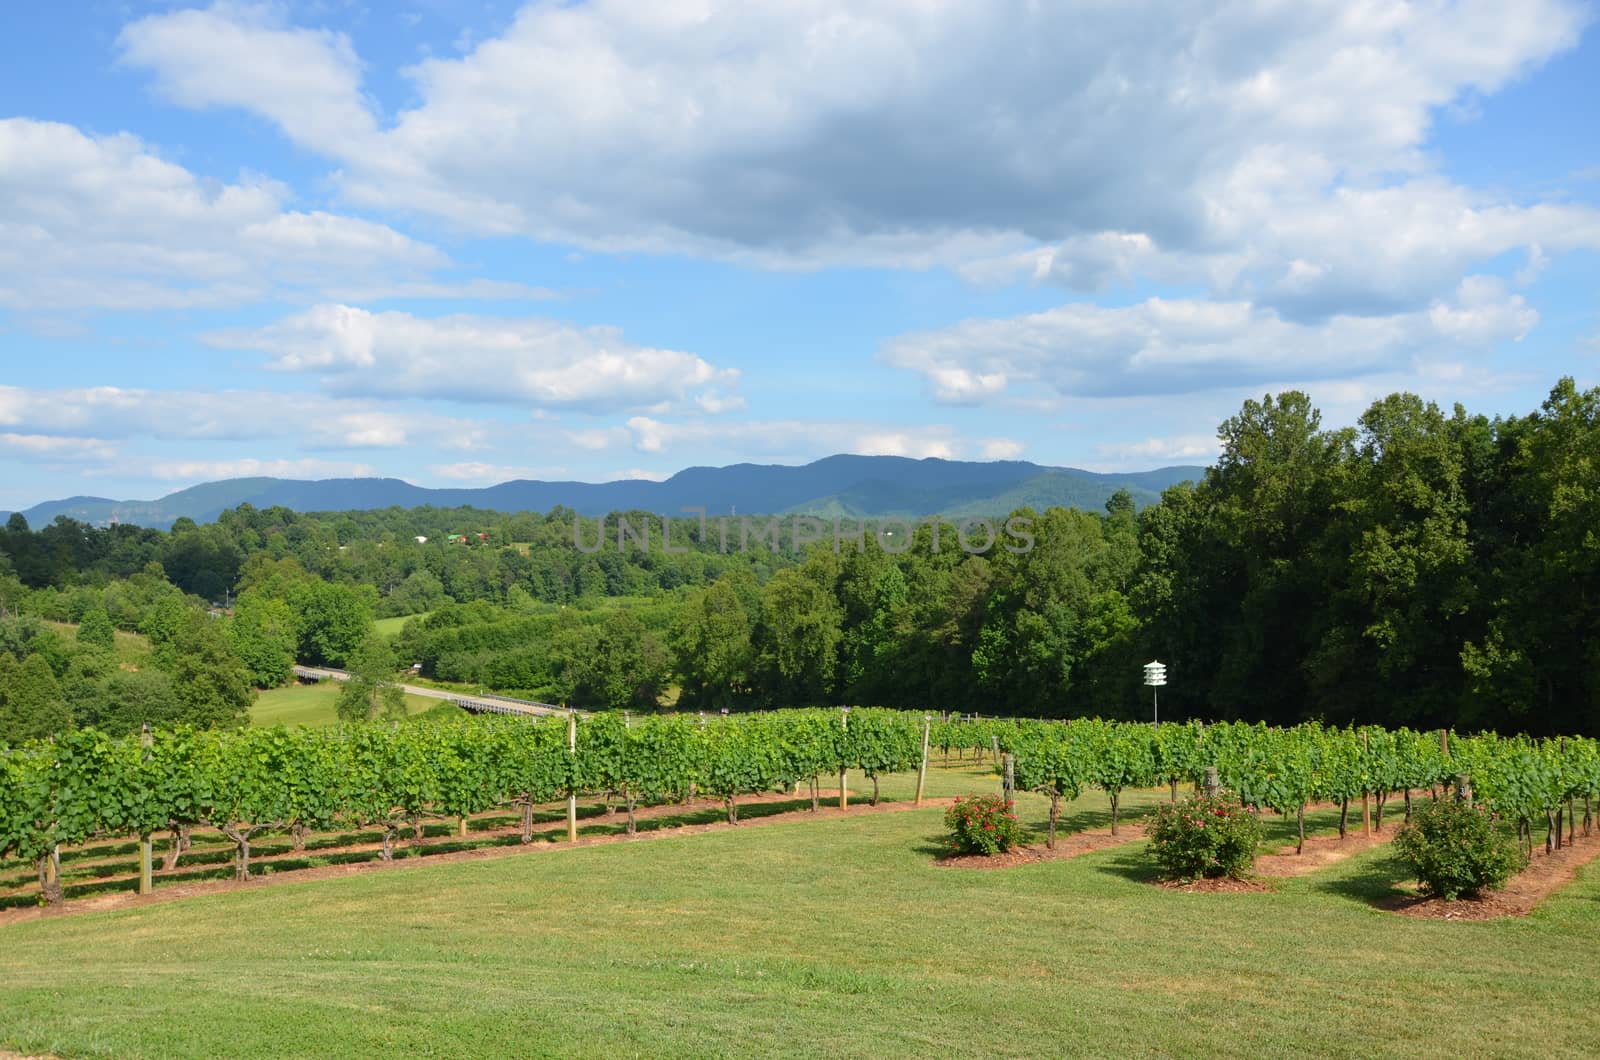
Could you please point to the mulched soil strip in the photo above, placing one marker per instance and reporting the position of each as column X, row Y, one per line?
column 1067, row 846
column 1545, row 874
column 1320, row 852
column 1223, row 885
column 172, row 892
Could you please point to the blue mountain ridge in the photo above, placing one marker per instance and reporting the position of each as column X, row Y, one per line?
column 843, row 485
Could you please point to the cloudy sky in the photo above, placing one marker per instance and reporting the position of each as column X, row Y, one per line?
column 459, row 243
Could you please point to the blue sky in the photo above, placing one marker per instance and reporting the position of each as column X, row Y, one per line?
column 462, row 243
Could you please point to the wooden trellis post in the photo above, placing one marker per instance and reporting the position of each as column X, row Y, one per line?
column 922, row 770
column 1366, row 802
column 572, row 795
column 844, row 792
column 146, row 843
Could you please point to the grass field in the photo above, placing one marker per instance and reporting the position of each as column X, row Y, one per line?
column 312, row 705
column 390, row 627
column 133, row 649
column 819, row 938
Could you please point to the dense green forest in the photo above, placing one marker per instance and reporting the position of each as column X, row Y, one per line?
column 1421, row 568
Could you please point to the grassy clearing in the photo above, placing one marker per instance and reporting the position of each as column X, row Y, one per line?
column 299, row 704
column 836, row 937
column 391, row 627
column 133, row 649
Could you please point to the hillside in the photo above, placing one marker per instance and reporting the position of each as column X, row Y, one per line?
column 844, row 485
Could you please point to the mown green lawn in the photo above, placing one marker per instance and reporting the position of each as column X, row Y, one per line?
column 299, row 704
column 808, row 938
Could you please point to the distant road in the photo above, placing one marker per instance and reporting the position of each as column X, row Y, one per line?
column 476, row 704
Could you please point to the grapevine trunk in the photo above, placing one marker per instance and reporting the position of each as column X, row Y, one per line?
column 50, row 877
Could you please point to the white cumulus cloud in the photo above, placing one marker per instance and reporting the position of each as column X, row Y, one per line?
column 56, row 447
column 316, row 421
column 485, row 474
column 528, row 360
column 1147, row 452
column 251, row 467
column 883, row 131
column 792, row 441
column 246, row 55
column 1000, row 449
column 1169, row 346
column 104, row 222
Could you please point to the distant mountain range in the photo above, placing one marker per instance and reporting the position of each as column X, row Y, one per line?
column 848, row 486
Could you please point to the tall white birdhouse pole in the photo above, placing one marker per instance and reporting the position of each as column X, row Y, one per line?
column 1155, row 675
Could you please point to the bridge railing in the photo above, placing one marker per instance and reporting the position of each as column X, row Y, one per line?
column 503, row 706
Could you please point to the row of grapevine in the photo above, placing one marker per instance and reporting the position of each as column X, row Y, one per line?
column 1286, row 770
column 85, row 785
column 1528, row 780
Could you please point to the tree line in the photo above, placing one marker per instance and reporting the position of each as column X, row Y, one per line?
column 522, row 558
column 1422, row 567
column 185, row 668
column 1419, row 568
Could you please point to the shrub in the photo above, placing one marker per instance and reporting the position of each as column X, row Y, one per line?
column 982, row 824
column 1205, row 836
column 1456, row 850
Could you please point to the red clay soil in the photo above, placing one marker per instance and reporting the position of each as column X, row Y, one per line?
column 1222, row 885
column 1319, row 853
column 1067, row 846
column 172, row 892
column 1545, row 874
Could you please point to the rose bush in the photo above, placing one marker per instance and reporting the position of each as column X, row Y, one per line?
column 1456, row 850
column 1205, row 836
column 982, row 824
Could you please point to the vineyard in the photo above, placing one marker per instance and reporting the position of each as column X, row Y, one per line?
column 246, row 784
